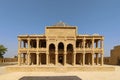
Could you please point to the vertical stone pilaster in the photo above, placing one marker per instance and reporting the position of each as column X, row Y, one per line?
column 92, row 59
column 83, row 61
column 28, row 43
column 37, row 58
column 101, row 44
column 56, row 59
column 93, row 43
column 101, row 59
column 19, row 59
column 19, row 43
column 28, row 58
column 47, row 59
column 37, row 42
column 64, row 59
column 74, row 59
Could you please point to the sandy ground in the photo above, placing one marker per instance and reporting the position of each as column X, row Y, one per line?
column 109, row 75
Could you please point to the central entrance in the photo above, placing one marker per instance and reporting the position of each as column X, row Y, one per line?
column 60, row 53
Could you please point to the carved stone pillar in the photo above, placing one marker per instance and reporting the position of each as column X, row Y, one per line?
column 74, row 59
column 19, row 43
column 28, row 43
column 47, row 59
column 101, row 59
column 19, row 59
column 56, row 59
column 64, row 59
column 37, row 58
column 28, row 58
column 83, row 61
column 92, row 59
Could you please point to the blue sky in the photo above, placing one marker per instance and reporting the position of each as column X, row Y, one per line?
column 31, row 17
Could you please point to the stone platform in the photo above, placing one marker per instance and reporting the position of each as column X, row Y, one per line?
column 58, row 69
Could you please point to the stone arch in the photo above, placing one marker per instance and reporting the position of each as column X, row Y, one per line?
column 69, row 53
column 52, row 53
column 61, row 46
column 61, row 52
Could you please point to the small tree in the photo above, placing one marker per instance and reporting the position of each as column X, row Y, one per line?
column 2, row 51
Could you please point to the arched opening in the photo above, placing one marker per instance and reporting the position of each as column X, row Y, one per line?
column 69, row 53
column 52, row 53
column 60, row 52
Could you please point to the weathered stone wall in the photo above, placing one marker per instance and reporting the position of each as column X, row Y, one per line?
column 57, row 69
column 3, row 60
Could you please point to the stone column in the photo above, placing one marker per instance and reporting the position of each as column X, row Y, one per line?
column 92, row 59
column 37, row 58
column 65, row 53
column 93, row 43
column 47, row 59
column 28, row 58
column 74, row 59
column 101, row 43
column 84, row 41
column 101, row 59
column 96, row 58
column 56, row 59
column 83, row 61
column 28, row 43
column 19, row 43
column 19, row 59
column 64, row 59
column 37, row 43
column 56, row 54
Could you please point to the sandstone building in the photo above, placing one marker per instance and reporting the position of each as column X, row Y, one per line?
column 114, row 58
column 60, row 45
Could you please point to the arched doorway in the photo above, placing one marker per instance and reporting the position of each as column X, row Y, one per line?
column 69, row 53
column 52, row 53
column 60, row 53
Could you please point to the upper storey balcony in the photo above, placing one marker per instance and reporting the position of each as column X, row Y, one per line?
column 32, row 43
column 89, row 43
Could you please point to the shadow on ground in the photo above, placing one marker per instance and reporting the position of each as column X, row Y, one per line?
column 50, row 78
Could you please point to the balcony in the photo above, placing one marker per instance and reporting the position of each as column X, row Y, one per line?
column 23, row 50
column 88, row 50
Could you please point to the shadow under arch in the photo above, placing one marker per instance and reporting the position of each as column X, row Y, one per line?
column 52, row 53
column 69, row 53
column 61, row 52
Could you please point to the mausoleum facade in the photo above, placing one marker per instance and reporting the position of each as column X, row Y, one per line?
column 60, row 45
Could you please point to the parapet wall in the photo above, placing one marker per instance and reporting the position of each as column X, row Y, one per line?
column 57, row 69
